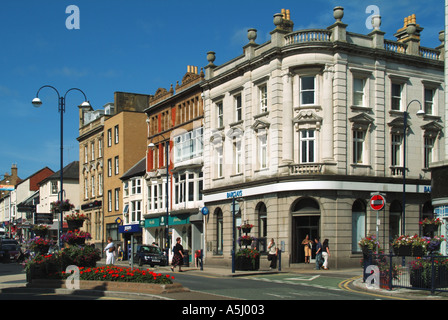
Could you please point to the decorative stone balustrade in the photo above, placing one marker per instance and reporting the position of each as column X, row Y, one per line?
column 312, row 35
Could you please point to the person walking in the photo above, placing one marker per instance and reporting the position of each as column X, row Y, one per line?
column 110, row 251
column 272, row 254
column 178, row 258
column 318, row 253
column 325, row 253
column 307, row 243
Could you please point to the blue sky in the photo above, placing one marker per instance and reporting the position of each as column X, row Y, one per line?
column 139, row 46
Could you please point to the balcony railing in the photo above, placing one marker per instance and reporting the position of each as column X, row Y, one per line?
column 395, row 46
column 305, row 168
column 312, row 35
column 429, row 53
column 396, row 171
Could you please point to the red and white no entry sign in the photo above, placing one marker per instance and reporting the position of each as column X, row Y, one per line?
column 377, row 202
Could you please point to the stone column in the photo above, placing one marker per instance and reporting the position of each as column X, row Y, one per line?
column 287, row 127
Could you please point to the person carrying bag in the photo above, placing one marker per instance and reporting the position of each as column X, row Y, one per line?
column 272, row 254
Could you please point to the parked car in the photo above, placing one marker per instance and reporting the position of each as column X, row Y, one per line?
column 150, row 254
column 10, row 248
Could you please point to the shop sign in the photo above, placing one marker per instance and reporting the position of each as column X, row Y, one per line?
column 234, row 194
column 129, row 228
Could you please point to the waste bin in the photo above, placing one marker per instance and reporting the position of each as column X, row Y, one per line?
column 186, row 259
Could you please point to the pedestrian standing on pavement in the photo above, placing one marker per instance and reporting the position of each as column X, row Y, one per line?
column 307, row 243
column 178, row 258
column 110, row 251
column 272, row 254
column 325, row 254
column 120, row 254
column 318, row 253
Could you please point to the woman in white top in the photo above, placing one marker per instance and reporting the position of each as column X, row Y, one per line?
column 110, row 251
column 272, row 254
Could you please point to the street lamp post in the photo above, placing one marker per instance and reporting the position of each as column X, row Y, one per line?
column 234, row 200
column 61, row 109
column 167, row 163
column 405, row 124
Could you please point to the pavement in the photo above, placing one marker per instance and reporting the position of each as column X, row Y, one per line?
column 15, row 281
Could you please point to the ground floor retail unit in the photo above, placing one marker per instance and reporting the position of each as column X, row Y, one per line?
column 335, row 210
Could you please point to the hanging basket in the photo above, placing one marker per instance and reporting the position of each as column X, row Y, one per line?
column 418, row 251
column 431, row 228
column 405, row 251
column 74, row 224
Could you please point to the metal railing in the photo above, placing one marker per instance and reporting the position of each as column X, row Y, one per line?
column 418, row 273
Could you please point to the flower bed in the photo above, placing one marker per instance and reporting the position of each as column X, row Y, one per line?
column 113, row 278
column 117, row 286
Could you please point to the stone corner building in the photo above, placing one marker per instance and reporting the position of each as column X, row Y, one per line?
column 307, row 125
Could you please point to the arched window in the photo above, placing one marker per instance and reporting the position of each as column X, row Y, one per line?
column 306, row 206
column 395, row 219
column 358, row 224
column 219, row 231
column 262, row 227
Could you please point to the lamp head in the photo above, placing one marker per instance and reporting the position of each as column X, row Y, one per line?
column 36, row 102
column 151, row 145
column 421, row 112
column 85, row 104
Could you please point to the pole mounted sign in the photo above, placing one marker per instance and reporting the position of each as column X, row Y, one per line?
column 377, row 202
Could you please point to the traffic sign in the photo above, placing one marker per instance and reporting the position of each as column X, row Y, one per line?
column 377, row 202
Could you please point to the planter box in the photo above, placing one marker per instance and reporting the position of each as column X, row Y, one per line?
column 247, row 264
column 403, row 251
column 418, row 252
column 421, row 278
column 384, row 283
column 136, row 287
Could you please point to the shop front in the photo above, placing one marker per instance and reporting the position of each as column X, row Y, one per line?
column 132, row 236
column 186, row 226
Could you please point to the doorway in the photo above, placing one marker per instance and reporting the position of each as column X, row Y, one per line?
column 301, row 227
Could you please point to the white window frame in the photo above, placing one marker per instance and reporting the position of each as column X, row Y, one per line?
column 136, row 211
column 109, row 137
column 219, row 162
column 428, row 151
column 358, row 146
column 136, row 186
column 116, row 164
column 86, row 157
column 304, row 91
column 263, row 97
column 357, row 92
column 86, row 188
column 237, row 147
column 117, row 199
column 92, row 187
column 220, row 114
column 116, row 134
column 429, row 100
column 263, row 150
column 306, row 144
column 109, row 200
column 238, row 100
column 92, row 157
column 109, row 167
column 396, row 154
column 100, row 148
column 100, row 184
column 396, row 98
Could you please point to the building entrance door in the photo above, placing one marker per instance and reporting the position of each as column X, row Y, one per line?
column 301, row 227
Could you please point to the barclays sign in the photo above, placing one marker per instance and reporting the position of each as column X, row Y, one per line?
column 234, row 194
